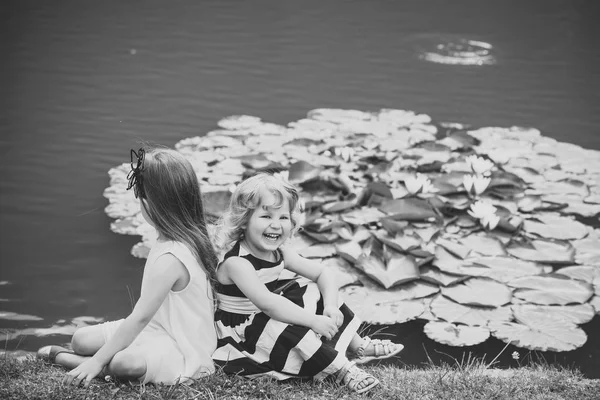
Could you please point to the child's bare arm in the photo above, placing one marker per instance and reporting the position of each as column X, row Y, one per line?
column 159, row 278
column 316, row 272
column 242, row 273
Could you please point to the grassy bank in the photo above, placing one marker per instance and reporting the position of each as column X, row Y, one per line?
column 31, row 379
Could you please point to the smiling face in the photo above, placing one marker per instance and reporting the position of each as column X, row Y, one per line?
column 269, row 226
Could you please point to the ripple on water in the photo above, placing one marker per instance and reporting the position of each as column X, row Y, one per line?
column 453, row 50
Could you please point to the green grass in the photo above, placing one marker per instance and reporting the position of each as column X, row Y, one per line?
column 466, row 380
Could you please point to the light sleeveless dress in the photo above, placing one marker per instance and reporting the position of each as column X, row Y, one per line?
column 179, row 340
column 252, row 344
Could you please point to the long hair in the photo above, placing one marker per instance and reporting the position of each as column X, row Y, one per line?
column 246, row 198
column 173, row 202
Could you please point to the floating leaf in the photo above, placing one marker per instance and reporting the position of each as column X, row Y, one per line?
column 583, row 273
column 479, row 292
column 575, row 314
column 401, row 243
column 337, row 206
column 505, row 269
column 554, row 226
column 408, row 209
column 456, row 249
column 234, row 122
column 215, row 203
column 301, row 171
column 587, row 251
column 362, row 216
column 321, row 250
column 344, row 273
column 551, row 289
column 437, row 277
column 455, row 335
column 381, row 307
column 398, row 270
column 453, row 265
column 540, row 334
column 595, row 302
column 484, row 244
column 553, row 252
column 450, row 311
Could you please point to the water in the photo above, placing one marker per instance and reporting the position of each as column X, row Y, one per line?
column 82, row 82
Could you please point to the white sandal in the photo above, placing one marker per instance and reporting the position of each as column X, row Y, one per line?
column 353, row 376
column 382, row 349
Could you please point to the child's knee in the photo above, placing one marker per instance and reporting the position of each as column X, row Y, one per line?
column 87, row 341
column 127, row 365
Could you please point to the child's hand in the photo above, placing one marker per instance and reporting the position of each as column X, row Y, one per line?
column 85, row 372
column 324, row 326
column 335, row 314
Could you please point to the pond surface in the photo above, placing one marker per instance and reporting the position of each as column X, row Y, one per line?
column 83, row 83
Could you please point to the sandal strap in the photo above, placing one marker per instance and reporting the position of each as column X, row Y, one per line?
column 355, row 375
column 382, row 347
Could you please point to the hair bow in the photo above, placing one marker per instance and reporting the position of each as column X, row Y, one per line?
column 135, row 175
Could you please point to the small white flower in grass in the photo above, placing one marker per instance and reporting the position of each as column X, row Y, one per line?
column 479, row 165
column 419, row 184
column 515, row 355
column 485, row 212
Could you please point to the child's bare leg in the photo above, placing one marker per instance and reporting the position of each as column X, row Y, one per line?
column 128, row 364
column 85, row 342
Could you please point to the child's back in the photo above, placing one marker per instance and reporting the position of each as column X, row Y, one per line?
column 185, row 313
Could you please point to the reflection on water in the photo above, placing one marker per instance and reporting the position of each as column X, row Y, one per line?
column 84, row 82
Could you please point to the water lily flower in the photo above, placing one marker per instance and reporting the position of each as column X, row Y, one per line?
column 479, row 165
column 346, row 153
column 419, row 184
column 283, row 175
column 476, row 182
column 485, row 212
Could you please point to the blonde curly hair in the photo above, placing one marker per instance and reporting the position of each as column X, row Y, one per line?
column 246, row 198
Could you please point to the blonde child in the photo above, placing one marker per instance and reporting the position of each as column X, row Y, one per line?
column 277, row 327
column 169, row 336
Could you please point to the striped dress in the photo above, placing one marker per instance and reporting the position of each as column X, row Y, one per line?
column 252, row 344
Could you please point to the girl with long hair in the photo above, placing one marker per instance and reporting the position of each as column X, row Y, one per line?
column 169, row 336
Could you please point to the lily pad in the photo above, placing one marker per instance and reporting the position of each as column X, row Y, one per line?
column 484, row 244
column 450, row 311
column 542, row 334
column 548, row 251
column 576, row 314
column 583, row 273
column 344, row 273
column 551, row 289
column 446, row 262
column 349, row 251
column 436, row 276
column 320, row 250
column 397, row 270
column 455, row 335
column 554, row 226
column 381, row 307
column 409, row 209
column 302, row 171
column 505, row 269
column 479, row 292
